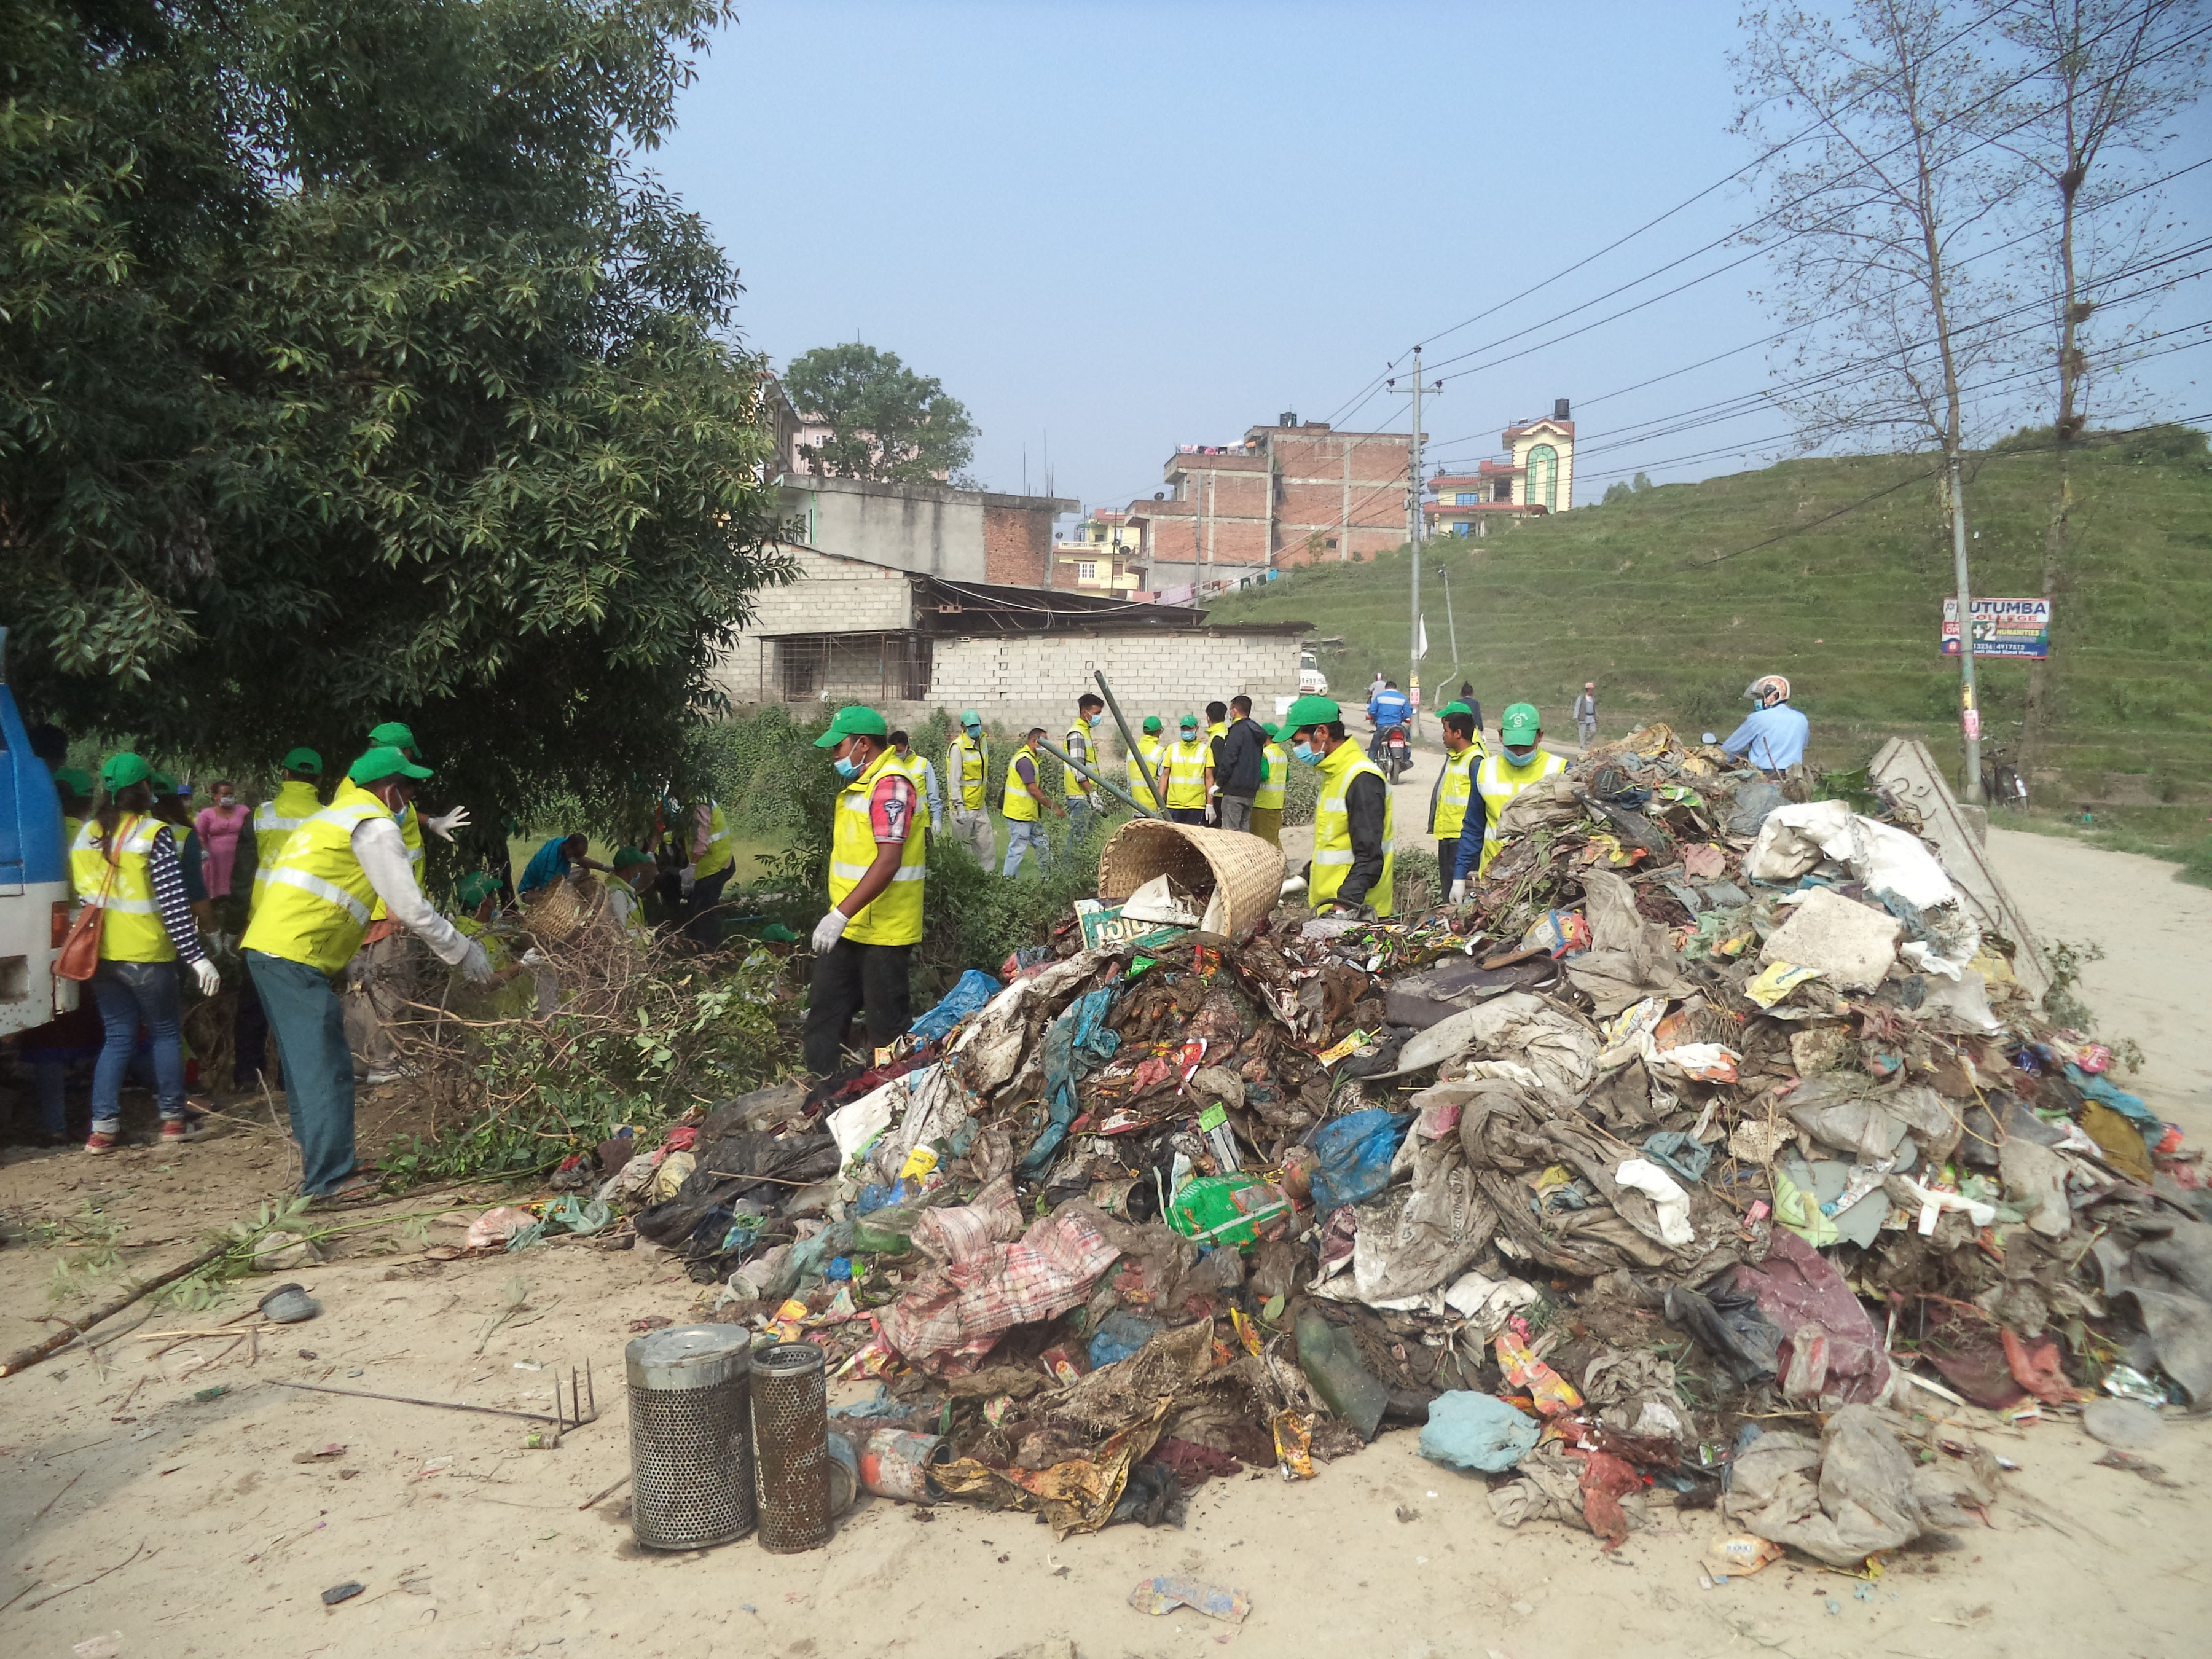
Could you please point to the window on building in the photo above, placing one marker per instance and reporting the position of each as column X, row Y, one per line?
column 1087, row 570
column 1330, row 542
column 1463, row 528
column 1464, row 499
column 1544, row 477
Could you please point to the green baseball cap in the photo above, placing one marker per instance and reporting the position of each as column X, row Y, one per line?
column 385, row 762
column 1152, row 724
column 476, row 887
column 121, row 770
column 970, row 717
column 75, row 779
column 306, row 760
column 163, row 783
column 626, row 856
column 1454, row 707
column 392, row 734
column 1519, row 725
column 1190, row 721
column 855, row 719
column 1311, row 711
column 1274, row 733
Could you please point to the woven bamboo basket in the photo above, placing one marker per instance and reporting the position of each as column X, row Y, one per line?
column 561, row 909
column 1245, row 871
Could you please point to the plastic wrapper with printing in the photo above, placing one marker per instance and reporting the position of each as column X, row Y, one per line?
column 1718, row 1108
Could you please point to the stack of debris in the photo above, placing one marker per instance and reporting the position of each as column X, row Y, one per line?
column 1711, row 1108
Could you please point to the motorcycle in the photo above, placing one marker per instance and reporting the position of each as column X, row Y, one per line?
column 1397, row 756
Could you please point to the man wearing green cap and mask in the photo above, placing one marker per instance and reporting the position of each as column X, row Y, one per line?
column 1148, row 743
column 877, row 872
column 967, row 779
column 1267, row 804
column 1458, row 827
column 314, row 908
column 1522, row 761
column 382, row 984
column 1352, row 848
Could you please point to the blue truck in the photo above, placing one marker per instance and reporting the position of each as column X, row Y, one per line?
column 35, row 877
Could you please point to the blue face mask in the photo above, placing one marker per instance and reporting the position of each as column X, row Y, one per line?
column 1520, row 756
column 1305, row 752
column 1189, row 736
column 1093, row 720
column 848, row 769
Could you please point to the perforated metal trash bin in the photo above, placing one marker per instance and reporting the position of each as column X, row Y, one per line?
column 791, row 1432
column 690, row 1456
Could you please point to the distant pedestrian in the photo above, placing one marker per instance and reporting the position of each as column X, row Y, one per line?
column 968, row 774
column 1474, row 704
column 1586, row 713
column 1020, row 804
column 221, row 824
column 1375, row 686
column 1085, row 799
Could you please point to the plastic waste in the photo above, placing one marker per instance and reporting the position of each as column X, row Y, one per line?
column 1469, row 1431
column 1120, row 1334
column 1332, row 1366
column 1354, row 1153
column 1230, row 1210
column 968, row 993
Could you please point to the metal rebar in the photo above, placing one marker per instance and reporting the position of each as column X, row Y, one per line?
column 436, row 1405
column 1136, row 751
column 1065, row 759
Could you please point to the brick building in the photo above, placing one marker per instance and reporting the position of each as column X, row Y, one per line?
column 1291, row 494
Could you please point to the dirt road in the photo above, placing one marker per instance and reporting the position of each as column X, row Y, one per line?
column 214, row 1538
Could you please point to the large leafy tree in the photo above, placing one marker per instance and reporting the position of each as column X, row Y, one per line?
column 884, row 420
column 351, row 369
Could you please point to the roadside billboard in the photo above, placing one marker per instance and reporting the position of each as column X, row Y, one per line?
column 2003, row 627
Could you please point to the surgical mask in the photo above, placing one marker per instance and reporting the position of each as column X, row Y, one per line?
column 975, row 732
column 848, row 769
column 1189, row 736
column 1093, row 719
column 1520, row 756
column 1305, row 752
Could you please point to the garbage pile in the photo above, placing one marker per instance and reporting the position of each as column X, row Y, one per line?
column 1713, row 1109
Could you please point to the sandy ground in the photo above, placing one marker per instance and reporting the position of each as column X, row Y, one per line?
column 127, row 1505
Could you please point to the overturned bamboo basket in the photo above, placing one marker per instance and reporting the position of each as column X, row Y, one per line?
column 1245, row 872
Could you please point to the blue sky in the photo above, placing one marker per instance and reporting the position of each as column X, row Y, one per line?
column 1110, row 229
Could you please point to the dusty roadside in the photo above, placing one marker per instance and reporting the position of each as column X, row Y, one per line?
column 466, row 1543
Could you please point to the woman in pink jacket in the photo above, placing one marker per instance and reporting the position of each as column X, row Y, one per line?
column 219, row 826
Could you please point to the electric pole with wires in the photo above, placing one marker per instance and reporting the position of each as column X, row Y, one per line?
column 1415, row 643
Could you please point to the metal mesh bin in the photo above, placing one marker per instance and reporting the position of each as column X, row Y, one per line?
column 791, row 1432
column 691, row 1457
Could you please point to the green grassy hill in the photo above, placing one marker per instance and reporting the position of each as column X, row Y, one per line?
column 1643, row 596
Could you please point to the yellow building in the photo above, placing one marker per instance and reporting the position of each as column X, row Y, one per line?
column 1539, row 478
column 1105, row 556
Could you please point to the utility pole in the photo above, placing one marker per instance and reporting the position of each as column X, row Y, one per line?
column 1414, row 461
column 1969, row 707
column 1449, row 623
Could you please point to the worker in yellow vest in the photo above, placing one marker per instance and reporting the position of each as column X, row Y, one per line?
column 1217, row 728
column 1353, row 849
column 122, row 860
column 294, row 802
column 1018, row 801
column 314, row 910
column 967, row 779
column 381, row 980
column 878, row 877
column 1148, row 743
column 1458, row 831
column 1522, row 761
column 929, row 809
column 1085, row 799
column 698, row 852
column 1187, row 774
column 1267, row 804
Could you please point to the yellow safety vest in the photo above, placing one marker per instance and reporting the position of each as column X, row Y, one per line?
column 722, row 845
column 1016, row 802
column 912, row 771
column 1072, row 783
column 316, row 905
column 1332, row 858
column 1138, row 787
column 69, row 827
column 1458, row 789
column 131, row 930
column 1186, row 773
column 970, row 764
column 894, row 916
column 410, row 831
column 1270, row 798
column 1499, row 781
column 274, row 821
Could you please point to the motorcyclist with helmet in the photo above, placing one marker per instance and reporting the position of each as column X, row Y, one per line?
column 1772, row 736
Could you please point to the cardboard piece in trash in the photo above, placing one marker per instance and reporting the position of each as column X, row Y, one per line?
column 1105, row 925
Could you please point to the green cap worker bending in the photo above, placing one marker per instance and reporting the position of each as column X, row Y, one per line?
column 1352, row 853
column 314, row 908
column 877, row 871
column 1520, row 763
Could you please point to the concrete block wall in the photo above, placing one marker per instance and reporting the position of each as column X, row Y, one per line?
column 846, row 596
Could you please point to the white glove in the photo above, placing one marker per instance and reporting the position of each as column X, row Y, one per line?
column 830, row 930
column 445, row 823
column 689, row 877
column 475, row 966
column 1459, row 890
column 534, row 958
column 208, row 976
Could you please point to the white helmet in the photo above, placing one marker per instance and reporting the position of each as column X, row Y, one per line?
column 1767, row 690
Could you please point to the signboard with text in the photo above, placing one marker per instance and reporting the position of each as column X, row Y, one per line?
column 2003, row 627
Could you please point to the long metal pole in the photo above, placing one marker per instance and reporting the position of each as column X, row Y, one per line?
column 1069, row 761
column 1969, row 707
column 1414, row 641
column 1449, row 623
column 1144, row 767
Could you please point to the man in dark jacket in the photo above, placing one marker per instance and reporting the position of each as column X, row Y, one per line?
column 1240, row 764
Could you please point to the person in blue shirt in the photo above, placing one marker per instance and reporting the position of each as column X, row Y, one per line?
column 1772, row 737
column 1387, row 707
column 551, row 862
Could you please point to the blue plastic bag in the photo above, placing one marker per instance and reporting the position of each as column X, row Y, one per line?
column 1075, row 1045
column 971, row 991
column 2105, row 1092
column 1121, row 1334
column 1355, row 1152
column 1468, row 1431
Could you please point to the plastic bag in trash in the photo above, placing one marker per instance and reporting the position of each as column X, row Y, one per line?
column 1355, row 1152
column 969, row 992
column 1470, row 1430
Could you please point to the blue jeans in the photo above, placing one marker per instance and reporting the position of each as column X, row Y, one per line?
column 128, row 992
column 1020, row 834
column 309, row 1026
column 1080, row 816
